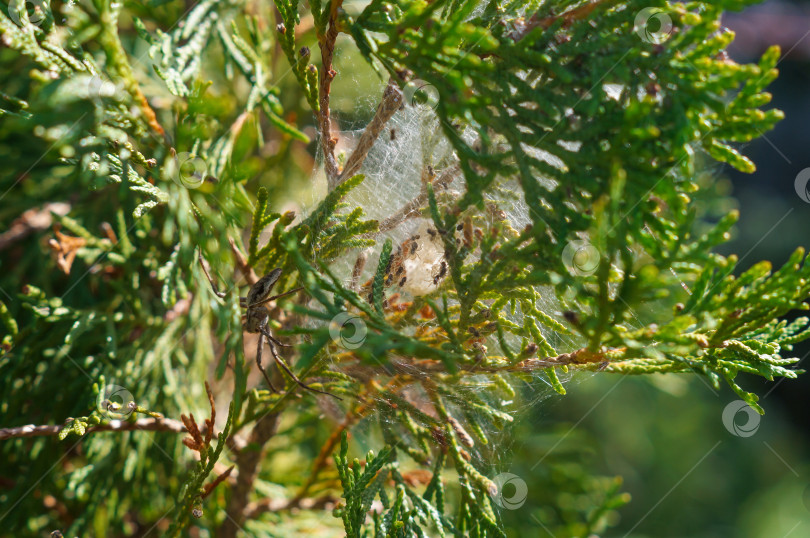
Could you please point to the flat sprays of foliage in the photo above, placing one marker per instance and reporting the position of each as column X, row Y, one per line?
column 137, row 135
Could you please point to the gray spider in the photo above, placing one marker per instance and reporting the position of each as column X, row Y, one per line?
column 256, row 320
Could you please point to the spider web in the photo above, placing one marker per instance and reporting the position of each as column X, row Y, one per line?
column 412, row 141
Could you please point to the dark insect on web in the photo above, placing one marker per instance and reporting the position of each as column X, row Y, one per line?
column 257, row 317
column 442, row 273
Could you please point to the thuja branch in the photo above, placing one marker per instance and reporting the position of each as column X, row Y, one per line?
column 423, row 369
column 142, row 424
column 119, row 63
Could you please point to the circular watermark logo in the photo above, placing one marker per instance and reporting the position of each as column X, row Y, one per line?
column 653, row 25
column 188, row 170
column 115, row 402
column 420, row 93
column 348, row 330
column 98, row 88
column 580, row 258
column 801, row 185
column 746, row 429
column 511, row 491
column 34, row 9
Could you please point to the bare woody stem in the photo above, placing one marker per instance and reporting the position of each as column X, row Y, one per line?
column 255, row 509
column 351, row 418
column 143, row 424
column 247, row 461
column 242, row 263
column 327, row 46
column 413, row 208
column 568, row 17
column 391, row 102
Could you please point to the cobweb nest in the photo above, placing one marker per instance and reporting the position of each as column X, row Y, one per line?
column 411, row 150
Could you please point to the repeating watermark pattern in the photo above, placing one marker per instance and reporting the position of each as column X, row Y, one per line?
column 35, row 9
column 806, row 497
column 746, row 429
column 510, row 491
column 802, row 185
column 421, row 93
column 580, row 258
column 115, row 402
column 653, row 25
column 187, row 170
column 348, row 330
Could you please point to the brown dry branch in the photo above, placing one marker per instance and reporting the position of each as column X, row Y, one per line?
column 414, row 207
column 209, row 422
column 195, row 439
column 242, row 264
column 327, row 46
column 390, row 103
column 247, row 461
column 65, row 247
column 143, row 424
column 257, row 508
column 568, row 18
column 357, row 270
column 217, row 481
column 33, row 220
column 148, row 112
column 352, row 416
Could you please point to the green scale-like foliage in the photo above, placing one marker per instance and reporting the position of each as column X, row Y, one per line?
column 560, row 106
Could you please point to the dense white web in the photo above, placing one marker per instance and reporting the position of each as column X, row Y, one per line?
column 393, row 170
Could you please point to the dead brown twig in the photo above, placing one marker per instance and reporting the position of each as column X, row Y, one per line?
column 255, row 509
column 242, row 263
column 568, row 18
column 412, row 208
column 32, row 220
column 65, row 248
column 328, row 143
column 351, row 417
column 390, row 103
column 247, row 461
column 144, row 424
